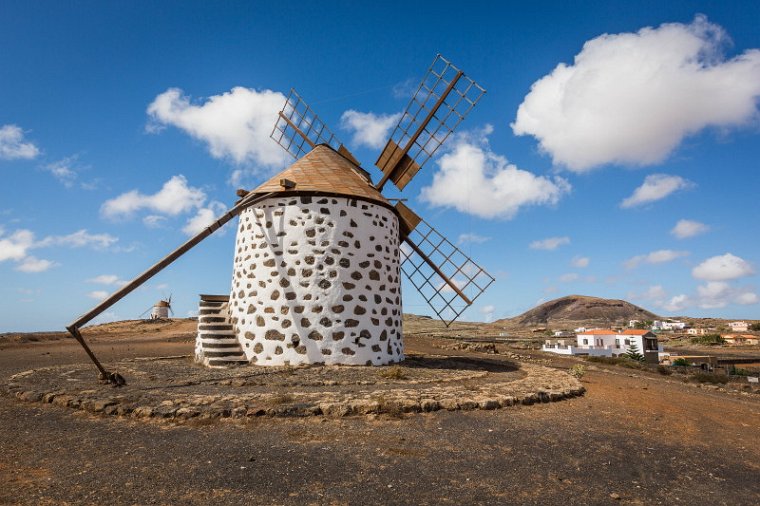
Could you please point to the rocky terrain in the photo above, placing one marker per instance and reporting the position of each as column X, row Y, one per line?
column 673, row 441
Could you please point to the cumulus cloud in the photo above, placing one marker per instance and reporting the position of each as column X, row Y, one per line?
column 655, row 187
column 107, row 279
column 98, row 294
column 472, row 238
column 475, row 180
column 13, row 146
column 711, row 295
column 688, row 228
column 368, row 129
column 487, row 312
column 34, row 264
column 63, row 170
column 678, row 303
column 79, row 239
column 631, row 98
column 655, row 257
column 234, row 125
column 580, row 262
column 204, row 217
column 550, row 243
column 18, row 245
column 174, row 197
column 723, row 268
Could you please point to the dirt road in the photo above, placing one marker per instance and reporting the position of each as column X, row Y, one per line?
column 634, row 438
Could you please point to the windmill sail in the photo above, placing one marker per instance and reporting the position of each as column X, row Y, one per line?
column 445, row 96
column 448, row 279
column 298, row 129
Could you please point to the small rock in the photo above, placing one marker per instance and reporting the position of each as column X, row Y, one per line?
column 614, row 496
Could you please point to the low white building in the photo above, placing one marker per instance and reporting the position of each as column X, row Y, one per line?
column 668, row 325
column 739, row 326
column 698, row 332
column 607, row 343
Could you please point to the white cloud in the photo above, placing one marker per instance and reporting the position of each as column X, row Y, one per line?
column 655, row 187
column 632, row 97
column 63, row 170
column 655, row 257
column 722, row 268
column 369, row 129
column 472, row 238
column 550, row 243
column 34, row 264
column 580, row 262
column 204, row 217
column 235, row 125
column 107, row 279
column 677, row 303
column 78, row 239
column 569, row 277
column 98, row 294
column 655, row 293
column 747, row 298
column 154, row 220
column 487, row 312
column 16, row 247
column 688, row 228
column 475, row 180
column 713, row 294
column 174, row 197
column 13, row 145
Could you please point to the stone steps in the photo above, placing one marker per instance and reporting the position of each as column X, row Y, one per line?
column 216, row 344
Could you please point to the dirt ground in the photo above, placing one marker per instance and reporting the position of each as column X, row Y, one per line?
column 633, row 438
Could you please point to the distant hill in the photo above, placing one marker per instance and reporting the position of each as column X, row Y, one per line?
column 575, row 310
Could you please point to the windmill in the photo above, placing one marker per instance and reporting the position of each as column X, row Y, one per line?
column 161, row 309
column 320, row 250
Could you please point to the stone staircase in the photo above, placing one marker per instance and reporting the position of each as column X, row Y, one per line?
column 216, row 344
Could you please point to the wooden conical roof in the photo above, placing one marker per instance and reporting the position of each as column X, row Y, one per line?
column 324, row 170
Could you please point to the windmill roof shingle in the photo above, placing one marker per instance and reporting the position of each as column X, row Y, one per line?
column 325, row 170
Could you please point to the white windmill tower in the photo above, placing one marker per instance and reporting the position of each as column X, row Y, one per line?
column 320, row 251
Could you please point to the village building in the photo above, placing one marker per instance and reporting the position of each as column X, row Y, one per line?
column 668, row 325
column 608, row 343
column 741, row 326
column 699, row 332
column 740, row 339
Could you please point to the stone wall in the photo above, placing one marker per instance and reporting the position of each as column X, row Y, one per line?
column 316, row 280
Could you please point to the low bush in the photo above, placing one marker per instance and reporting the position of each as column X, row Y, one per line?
column 664, row 370
column 715, row 379
column 709, row 340
column 578, row 371
column 393, row 372
column 620, row 361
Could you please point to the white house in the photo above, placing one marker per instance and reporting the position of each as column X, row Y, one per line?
column 698, row 332
column 632, row 323
column 607, row 343
column 668, row 325
column 739, row 326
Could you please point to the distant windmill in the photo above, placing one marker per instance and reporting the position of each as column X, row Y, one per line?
column 319, row 249
column 160, row 309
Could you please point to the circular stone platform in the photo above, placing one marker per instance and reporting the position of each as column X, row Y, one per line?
column 176, row 388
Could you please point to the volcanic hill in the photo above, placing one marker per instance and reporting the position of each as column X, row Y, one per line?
column 575, row 310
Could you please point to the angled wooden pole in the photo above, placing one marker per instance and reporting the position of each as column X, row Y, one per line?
column 74, row 327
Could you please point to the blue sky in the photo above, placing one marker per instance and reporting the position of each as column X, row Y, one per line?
column 615, row 153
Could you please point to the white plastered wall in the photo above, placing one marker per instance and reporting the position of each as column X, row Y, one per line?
column 316, row 280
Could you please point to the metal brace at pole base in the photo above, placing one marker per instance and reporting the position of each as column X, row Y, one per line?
column 115, row 378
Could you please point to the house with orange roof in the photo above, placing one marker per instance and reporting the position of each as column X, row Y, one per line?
column 609, row 343
column 740, row 339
